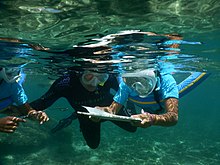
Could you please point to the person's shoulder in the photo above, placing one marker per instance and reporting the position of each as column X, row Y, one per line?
column 66, row 79
column 112, row 81
column 112, row 78
column 124, row 87
column 166, row 77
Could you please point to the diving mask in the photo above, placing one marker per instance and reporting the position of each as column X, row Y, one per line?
column 10, row 75
column 143, row 82
column 94, row 79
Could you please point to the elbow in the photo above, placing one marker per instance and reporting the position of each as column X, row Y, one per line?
column 174, row 120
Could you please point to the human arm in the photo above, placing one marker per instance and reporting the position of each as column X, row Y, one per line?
column 27, row 110
column 169, row 118
column 9, row 124
column 20, row 98
column 50, row 97
column 120, row 99
column 169, row 93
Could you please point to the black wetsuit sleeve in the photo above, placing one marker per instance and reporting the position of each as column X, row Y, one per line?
column 55, row 92
column 113, row 83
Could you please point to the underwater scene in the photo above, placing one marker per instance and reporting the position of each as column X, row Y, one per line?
column 58, row 43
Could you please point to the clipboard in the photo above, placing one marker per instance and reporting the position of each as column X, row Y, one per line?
column 105, row 115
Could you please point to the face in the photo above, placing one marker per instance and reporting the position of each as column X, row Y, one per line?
column 143, row 86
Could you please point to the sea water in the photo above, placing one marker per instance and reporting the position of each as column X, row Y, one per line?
column 60, row 25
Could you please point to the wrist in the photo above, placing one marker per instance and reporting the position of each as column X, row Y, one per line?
column 152, row 119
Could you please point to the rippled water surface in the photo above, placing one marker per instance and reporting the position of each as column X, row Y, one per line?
column 64, row 25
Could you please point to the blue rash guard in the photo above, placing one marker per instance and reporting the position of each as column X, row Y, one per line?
column 166, row 88
column 11, row 93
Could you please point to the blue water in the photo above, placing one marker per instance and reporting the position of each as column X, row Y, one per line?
column 62, row 24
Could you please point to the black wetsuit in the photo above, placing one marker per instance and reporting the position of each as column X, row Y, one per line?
column 70, row 87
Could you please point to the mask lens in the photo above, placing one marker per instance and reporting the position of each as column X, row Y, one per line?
column 10, row 75
column 95, row 79
column 12, row 72
column 143, row 86
column 102, row 77
column 138, row 86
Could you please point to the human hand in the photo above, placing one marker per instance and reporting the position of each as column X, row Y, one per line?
column 97, row 119
column 107, row 109
column 38, row 115
column 9, row 124
column 147, row 120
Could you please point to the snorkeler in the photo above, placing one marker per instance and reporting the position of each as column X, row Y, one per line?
column 137, row 87
column 88, row 88
column 14, row 101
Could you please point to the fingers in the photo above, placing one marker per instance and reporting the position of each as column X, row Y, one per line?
column 135, row 116
column 10, row 127
column 39, row 115
column 144, row 123
column 9, row 124
column 8, row 130
column 42, row 117
column 16, row 119
column 106, row 109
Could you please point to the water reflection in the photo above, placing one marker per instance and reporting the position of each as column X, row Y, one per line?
column 125, row 51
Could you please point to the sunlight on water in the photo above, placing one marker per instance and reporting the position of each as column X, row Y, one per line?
column 65, row 22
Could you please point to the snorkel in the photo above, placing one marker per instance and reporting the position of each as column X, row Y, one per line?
column 142, row 82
